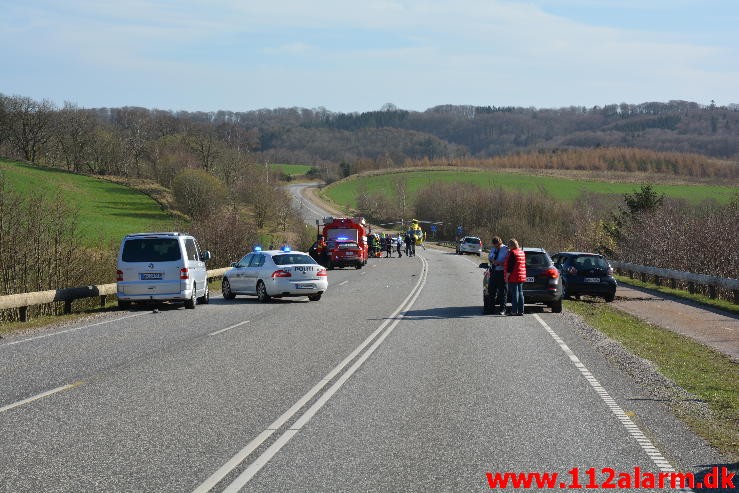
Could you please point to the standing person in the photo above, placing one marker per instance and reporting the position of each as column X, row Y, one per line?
column 499, row 292
column 407, row 240
column 398, row 244
column 515, row 273
column 388, row 246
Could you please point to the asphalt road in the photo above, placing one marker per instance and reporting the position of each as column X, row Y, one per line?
column 393, row 381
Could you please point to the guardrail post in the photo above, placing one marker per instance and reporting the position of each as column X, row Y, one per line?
column 673, row 283
column 23, row 312
column 67, row 307
column 658, row 280
column 736, row 296
column 691, row 287
column 712, row 291
column 103, row 299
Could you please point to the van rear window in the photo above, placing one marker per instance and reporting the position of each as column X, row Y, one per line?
column 151, row 250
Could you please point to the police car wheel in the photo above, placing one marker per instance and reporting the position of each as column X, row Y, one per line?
column 262, row 295
column 226, row 290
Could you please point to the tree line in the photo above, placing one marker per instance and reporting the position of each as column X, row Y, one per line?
column 132, row 141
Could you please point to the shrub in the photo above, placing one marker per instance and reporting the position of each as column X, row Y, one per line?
column 198, row 193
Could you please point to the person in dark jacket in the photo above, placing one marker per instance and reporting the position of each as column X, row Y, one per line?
column 497, row 287
column 515, row 274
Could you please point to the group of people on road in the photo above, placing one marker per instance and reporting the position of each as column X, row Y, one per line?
column 508, row 265
column 386, row 242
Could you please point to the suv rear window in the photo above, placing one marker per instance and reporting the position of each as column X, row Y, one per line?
column 536, row 259
column 590, row 262
column 151, row 250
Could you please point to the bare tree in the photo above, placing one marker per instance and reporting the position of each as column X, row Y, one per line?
column 74, row 132
column 28, row 125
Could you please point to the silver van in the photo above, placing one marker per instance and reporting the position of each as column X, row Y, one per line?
column 162, row 267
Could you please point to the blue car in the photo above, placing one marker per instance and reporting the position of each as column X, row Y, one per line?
column 585, row 274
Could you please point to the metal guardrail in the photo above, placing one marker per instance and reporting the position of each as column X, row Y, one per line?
column 691, row 279
column 23, row 301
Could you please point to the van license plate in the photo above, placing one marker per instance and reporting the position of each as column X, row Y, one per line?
column 150, row 276
column 592, row 279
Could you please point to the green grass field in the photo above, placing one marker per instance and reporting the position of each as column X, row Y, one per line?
column 345, row 192
column 107, row 211
column 292, row 169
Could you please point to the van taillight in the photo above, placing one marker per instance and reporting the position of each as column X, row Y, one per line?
column 119, row 276
column 281, row 273
column 184, row 274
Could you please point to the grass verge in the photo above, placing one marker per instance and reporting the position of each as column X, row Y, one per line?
column 724, row 305
column 705, row 373
column 40, row 322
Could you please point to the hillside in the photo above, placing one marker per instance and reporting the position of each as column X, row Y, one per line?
column 347, row 191
column 107, row 211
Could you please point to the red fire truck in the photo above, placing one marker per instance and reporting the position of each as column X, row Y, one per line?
column 346, row 241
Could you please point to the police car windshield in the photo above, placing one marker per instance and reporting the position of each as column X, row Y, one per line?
column 292, row 258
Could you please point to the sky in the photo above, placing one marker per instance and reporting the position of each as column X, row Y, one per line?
column 353, row 56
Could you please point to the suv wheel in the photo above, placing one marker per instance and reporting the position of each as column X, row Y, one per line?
column 610, row 297
column 190, row 304
column 205, row 299
column 556, row 307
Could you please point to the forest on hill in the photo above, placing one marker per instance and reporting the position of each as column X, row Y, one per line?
column 683, row 137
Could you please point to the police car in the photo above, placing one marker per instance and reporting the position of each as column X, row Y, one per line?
column 275, row 274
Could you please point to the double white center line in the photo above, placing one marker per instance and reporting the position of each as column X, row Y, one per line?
column 383, row 331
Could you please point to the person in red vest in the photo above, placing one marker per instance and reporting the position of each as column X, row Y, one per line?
column 515, row 274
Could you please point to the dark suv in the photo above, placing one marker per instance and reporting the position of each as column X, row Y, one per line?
column 586, row 273
column 543, row 282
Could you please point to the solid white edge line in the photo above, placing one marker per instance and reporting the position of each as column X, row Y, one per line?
column 232, row 463
column 273, row 449
column 631, row 428
column 74, row 329
column 39, row 396
column 228, row 328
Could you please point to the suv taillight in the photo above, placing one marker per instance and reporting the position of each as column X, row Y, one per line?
column 552, row 272
column 184, row 274
column 119, row 276
column 281, row 273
